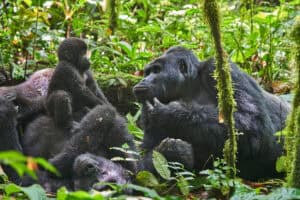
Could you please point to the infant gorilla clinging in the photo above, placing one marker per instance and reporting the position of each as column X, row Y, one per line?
column 180, row 115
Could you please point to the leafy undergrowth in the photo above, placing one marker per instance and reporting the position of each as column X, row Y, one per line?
column 171, row 182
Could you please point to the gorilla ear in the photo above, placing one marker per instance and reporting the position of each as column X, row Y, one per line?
column 183, row 67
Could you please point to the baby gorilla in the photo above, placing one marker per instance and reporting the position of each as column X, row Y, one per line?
column 101, row 129
column 179, row 100
column 90, row 169
column 70, row 95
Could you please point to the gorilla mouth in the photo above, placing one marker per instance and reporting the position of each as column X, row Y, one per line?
column 140, row 90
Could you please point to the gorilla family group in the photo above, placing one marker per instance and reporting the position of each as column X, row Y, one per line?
column 64, row 117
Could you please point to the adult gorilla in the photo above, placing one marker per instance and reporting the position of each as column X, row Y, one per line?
column 179, row 100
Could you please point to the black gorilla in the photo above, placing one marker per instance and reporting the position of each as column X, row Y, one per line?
column 179, row 100
column 29, row 95
column 72, row 89
column 90, row 169
column 72, row 93
column 99, row 130
column 8, row 133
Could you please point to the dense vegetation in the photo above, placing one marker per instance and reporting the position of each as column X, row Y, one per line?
column 125, row 35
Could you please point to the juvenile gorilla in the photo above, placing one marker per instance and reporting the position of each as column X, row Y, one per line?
column 72, row 90
column 99, row 130
column 180, row 101
column 72, row 93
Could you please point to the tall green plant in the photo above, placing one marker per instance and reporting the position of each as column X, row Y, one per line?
column 226, row 102
column 293, row 125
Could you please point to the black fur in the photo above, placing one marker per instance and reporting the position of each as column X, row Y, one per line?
column 90, row 169
column 101, row 129
column 8, row 134
column 67, row 131
column 179, row 100
column 72, row 76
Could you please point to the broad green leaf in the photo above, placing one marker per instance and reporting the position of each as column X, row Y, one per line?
column 126, row 47
column 161, row 165
column 46, row 165
column 147, row 192
column 34, row 192
column 146, row 178
column 64, row 194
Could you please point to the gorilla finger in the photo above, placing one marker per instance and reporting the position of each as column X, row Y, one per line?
column 157, row 102
column 149, row 106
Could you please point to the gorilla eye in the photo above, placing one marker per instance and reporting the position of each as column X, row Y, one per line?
column 89, row 169
column 156, row 69
column 182, row 66
column 146, row 72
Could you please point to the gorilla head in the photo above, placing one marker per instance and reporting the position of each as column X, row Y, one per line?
column 168, row 77
column 74, row 50
column 90, row 169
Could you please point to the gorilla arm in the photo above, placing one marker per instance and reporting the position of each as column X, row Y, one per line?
column 69, row 79
column 93, row 86
column 196, row 124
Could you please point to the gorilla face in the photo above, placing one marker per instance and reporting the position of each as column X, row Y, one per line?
column 90, row 170
column 167, row 77
column 83, row 63
column 74, row 51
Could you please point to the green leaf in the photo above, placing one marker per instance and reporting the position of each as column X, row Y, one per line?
column 147, row 192
column 146, row 178
column 149, row 28
column 126, row 47
column 28, row 2
column 183, row 186
column 34, row 192
column 161, row 165
column 64, row 194
column 46, row 165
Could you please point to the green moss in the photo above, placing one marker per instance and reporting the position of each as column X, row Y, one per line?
column 292, row 143
column 294, row 179
column 226, row 102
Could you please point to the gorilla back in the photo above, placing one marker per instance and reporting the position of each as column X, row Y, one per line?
column 188, row 111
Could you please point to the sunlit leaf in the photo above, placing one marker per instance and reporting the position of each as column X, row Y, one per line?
column 146, row 178
column 161, row 165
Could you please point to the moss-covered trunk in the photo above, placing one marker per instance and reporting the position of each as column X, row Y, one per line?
column 292, row 142
column 226, row 102
column 113, row 15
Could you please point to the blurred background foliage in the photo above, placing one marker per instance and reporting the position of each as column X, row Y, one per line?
column 124, row 35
